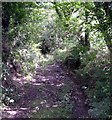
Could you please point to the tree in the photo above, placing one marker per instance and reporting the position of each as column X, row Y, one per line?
column 103, row 12
column 66, row 10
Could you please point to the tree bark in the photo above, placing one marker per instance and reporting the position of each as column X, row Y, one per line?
column 105, row 26
column 87, row 43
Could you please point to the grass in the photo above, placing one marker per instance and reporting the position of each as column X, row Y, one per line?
column 58, row 112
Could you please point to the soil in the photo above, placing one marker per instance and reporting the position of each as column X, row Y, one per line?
column 44, row 89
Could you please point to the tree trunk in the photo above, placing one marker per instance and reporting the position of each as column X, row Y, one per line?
column 105, row 26
column 87, row 43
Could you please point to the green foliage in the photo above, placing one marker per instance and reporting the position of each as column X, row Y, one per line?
column 88, row 57
column 16, row 10
column 96, row 77
column 9, row 90
column 100, row 109
column 52, row 113
column 29, row 25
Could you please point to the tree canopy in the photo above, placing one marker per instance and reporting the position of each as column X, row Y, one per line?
column 76, row 34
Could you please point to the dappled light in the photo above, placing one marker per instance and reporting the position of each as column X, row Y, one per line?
column 56, row 60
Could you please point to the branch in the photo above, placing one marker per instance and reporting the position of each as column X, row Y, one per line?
column 57, row 10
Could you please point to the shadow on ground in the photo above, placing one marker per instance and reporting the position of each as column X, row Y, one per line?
column 50, row 94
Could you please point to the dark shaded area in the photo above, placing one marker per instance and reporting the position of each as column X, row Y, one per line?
column 53, row 77
column 44, row 48
column 72, row 64
column 57, row 87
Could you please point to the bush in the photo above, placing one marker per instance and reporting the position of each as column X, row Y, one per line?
column 96, row 76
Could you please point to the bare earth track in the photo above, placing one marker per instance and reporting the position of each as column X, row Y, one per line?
column 46, row 91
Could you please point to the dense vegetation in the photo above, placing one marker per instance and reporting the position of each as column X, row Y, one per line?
column 79, row 34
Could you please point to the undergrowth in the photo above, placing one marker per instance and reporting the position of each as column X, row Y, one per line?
column 96, row 77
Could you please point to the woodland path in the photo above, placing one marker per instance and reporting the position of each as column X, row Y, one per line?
column 51, row 89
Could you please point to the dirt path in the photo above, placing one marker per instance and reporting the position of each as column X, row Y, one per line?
column 51, row 93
